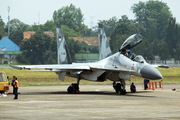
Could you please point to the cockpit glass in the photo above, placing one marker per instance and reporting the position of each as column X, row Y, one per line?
column 138, row 37
column 139, row 58
column 132, row 41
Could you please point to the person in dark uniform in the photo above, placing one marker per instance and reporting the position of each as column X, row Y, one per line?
column 146, row 81
column 133, row 88
column 70, row 89
column 15, row 88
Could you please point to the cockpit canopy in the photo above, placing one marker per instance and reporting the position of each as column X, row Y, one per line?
column 131, row 41
column 140, row 59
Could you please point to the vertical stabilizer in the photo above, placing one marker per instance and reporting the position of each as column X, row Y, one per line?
column 62, row 50
column 104, row 48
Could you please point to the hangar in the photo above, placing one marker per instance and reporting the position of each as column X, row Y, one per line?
column 8, row 51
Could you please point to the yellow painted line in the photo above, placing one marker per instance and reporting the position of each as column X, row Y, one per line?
column 71, row 110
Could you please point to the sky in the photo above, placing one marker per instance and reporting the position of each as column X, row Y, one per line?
column 39, row 11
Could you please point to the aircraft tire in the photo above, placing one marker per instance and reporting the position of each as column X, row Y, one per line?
column 121, row 92
column 118, row 87
column 124, row 92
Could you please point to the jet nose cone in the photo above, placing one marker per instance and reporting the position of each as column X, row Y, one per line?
column 150, row 72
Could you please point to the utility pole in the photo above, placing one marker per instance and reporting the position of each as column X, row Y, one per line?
column 38, row 20
column 92, row 22
column 8, row 9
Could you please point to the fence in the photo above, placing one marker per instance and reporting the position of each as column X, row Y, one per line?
column 154, row 85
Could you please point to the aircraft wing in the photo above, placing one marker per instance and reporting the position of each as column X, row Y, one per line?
column 75, row 66
column 91, row 71
column 55, row 66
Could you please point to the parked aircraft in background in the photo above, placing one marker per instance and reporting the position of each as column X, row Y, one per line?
column 117, row 67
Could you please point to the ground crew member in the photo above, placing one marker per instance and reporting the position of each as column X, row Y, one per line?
column 70, row 89
column 13, row 82
column 146, row 81
column 15, row 88
column 133, row 88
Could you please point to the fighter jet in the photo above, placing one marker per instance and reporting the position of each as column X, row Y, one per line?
column 117, row 67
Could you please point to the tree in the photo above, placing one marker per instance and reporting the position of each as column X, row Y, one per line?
column 145, row 49
column 16, row 36
column 70, row 16
column 172, row 37
column 74, row 47
column 48, row 26
column 86, row 32
column 109, row 25
column 118, row 36
column 155, row 12
column 16, row 30
column 125, row 19
column 15, row 24
column 69, row 32
column 1, row 22
column 2, row 32
column 163, row 51
column 35, row 27
column 178, row 53
column 120, row 30
column 39, row 49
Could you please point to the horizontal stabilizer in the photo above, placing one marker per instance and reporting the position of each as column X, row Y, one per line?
column 161, row 66
column 16, row 67
column 164, row 66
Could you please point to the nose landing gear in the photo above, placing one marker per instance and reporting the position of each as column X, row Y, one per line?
column 120, row 87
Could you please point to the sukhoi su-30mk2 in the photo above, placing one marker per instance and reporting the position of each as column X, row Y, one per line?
column 116, row 67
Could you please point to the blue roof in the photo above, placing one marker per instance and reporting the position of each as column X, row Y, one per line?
column 7, row 45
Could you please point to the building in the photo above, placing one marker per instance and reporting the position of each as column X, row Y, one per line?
column 92, row 41
column 8, row 50
column 28, row 34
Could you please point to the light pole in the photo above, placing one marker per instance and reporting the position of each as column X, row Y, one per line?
column 8, row 9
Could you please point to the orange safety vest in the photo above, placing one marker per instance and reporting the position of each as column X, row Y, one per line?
column 15, row 84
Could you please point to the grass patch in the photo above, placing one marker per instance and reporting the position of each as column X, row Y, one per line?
column 37, row 78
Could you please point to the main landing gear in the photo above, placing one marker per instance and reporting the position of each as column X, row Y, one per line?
column 120, row 87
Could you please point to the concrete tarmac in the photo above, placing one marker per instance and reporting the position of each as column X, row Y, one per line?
column 95, row 102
